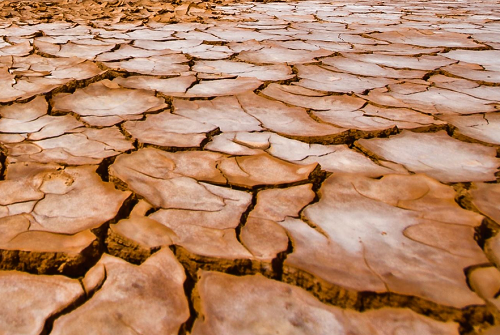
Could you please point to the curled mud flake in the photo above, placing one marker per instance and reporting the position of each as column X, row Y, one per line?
column 233, row 34
column 210, row 52
column 81, row 207
column 22, row 113
column 28, row 87
column 45, row 252
column 55, row 68
column 19, row 31
column 85, row 70
column 174, row 45
column 263, row 169
column 149, row 35
column 352, row 112
column 169, row 179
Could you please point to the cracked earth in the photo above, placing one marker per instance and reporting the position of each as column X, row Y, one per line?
column 231, row 168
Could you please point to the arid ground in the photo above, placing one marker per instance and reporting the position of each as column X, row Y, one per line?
column 227, row 168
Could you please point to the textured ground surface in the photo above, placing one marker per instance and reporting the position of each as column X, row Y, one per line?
column 249, row 168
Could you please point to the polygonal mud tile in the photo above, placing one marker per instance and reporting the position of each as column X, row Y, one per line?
column 473, row 72
column 327, row 79
column 485, row 197
column 465, row 86
column 427, row 38
column 32, row 299
column 261, row 233
column 137, row 237
column 432, row 100
column 268, row 306
column 223, row 112
column 290, row 121
column 280, row 55
column 400, row 234
column 170, row 130
column 183, row 169
column 489, row 59
column 170, row 86
column 71, row 49
column 438, row 155
column 361, row 68
column 79, row 147
column 164, row 65
column 105, row 103
column 482, row 127
column 148, row 298
column 424, row 62
column 332, row 158
column 221, row 87
column 223, row 67
column 59, row 199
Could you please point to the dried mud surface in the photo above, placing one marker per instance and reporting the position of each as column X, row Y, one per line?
column 226, row 167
